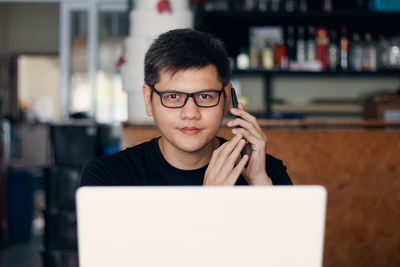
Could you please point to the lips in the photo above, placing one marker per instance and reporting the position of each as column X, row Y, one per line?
column 190, row 130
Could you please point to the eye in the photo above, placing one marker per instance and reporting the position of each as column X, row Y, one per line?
column 171, row 96
column 207, row 96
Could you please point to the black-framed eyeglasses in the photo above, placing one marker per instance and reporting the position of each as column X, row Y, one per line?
column 175, row 99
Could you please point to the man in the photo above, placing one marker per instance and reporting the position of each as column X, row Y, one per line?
column 187, row 92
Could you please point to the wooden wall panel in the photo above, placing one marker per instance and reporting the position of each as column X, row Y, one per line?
column 360, row 169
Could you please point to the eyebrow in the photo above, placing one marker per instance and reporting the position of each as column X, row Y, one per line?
column 203, row 90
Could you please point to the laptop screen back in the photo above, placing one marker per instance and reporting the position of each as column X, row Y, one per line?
column 201, row 226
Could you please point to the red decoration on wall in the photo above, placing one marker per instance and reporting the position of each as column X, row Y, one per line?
column 121, row 61
column 163, row 6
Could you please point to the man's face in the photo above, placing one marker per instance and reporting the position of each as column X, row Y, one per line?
column 189, row 128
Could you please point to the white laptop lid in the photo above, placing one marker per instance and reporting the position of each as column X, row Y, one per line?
column 201, row 226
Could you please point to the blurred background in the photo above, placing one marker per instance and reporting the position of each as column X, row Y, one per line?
column 321, row 72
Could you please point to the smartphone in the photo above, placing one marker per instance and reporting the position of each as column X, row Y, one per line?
column 234, row 98
column 235, row 104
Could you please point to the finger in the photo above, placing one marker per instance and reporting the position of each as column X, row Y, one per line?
column 243, row 114
column 246, row 125
column 257, row 142
column 228, row 165
column 246, row 116
column 221, row 174
column 216, row 152
column 221, row 153
column 239, row 122
column 252, row 127
column 236, row 152
column 236, row 138
column 238, row 169
column 229, row 162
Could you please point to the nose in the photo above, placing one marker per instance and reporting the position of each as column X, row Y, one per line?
column 190, row 111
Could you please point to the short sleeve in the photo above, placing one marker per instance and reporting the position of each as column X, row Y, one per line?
column 94, row 173
column 277, row 171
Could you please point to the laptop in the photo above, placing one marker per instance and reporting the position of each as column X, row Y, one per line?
column 201, row 226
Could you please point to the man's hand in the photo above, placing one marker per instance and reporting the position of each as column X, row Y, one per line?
column 255, row 173
column 221, row 169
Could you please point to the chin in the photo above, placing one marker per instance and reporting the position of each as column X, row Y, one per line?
column 190, row 145
column 191, row 148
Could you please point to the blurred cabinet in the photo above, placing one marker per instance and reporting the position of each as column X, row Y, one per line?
column 61, row 238
column 73, row 144
column 92, row 35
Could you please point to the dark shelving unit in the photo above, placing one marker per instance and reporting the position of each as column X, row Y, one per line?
column 385, row 73
column 303, row 17
column 232, row 27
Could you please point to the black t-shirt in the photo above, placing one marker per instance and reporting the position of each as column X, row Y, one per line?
column 144, row 164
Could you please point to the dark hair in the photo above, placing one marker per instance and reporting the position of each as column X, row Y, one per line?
column 182, row 49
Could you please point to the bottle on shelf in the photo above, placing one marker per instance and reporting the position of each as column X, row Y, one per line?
column 369, row 54
column 321, row 47
column 393, row 53
column 249, row 5
column 243, row 60
column 216, row 5
column 291, row 44
column 333, row 51
column 356, row 53
column 263, row 5
column 267, row 57
column 327, row 6
column 280, row 55
column 311, row 44
column 344, row 49
column 255, row 55
column 290, row 5
column 303, row 6
column 382, row 48
column 275, row 5
column 301, row 47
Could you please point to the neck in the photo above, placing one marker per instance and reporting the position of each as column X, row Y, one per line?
column 188, row 160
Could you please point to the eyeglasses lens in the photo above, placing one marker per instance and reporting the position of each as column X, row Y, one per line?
column 202, row 99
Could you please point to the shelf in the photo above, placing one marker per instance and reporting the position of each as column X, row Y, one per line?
column 317, row 73
column 274, row 123
column 311, row 17
column 318, row 108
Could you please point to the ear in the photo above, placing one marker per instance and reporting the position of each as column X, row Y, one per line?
column 228, row 98
column 147, row 99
